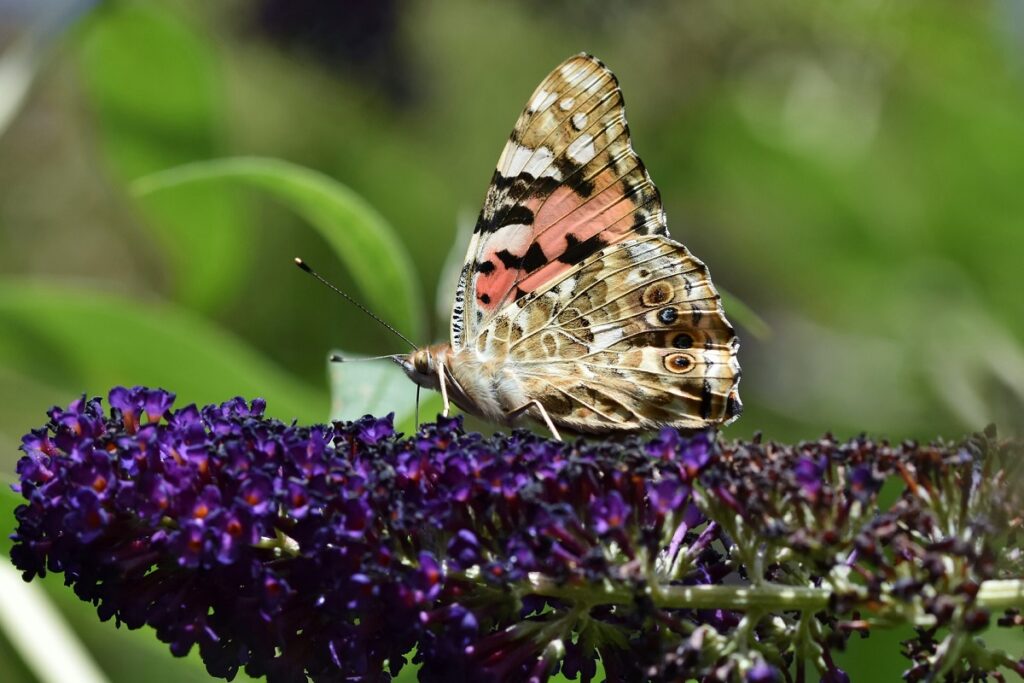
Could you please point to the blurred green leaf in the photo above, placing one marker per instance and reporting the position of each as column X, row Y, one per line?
column 361, row 238
column 9, row 500
column 39, row 634
column 18, row 66
column 87, row 341
column 153, row 82
column 377, row 387
column 34, row 396
column 744, row 315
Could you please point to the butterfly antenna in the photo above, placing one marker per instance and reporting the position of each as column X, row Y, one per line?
column 335, row 358
column 305, row 266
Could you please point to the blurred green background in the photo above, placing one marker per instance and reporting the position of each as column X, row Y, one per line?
column 853, row 172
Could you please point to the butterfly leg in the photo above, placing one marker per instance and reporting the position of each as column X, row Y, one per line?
column 543, row 413
column 444, row 388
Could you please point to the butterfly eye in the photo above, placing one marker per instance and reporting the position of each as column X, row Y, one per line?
column 678, row 362
column 419, row 361
column 682, row 341
column 667, row 315
column 657, row 294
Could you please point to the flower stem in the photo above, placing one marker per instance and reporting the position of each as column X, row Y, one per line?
column 1000, row 595
column 994, row 595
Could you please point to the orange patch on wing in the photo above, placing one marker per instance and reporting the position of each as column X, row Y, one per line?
column 556, row 216
column 552, row 270
column 490, row 288
column 566, row 213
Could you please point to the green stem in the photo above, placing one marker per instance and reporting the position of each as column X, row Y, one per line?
column 999, row 595
column 767, row 597
column 281, row 543
column 996, row 595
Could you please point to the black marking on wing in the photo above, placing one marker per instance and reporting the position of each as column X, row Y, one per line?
column 508, row 259
column 640, row 218
column 533, row 259
column 520, row 183
column 458, row 307
column 733, row 407
column 574, row 177
column 502, row 188
column 514, row 215
column 576, row 251
column 705, row 400
column 684, row 341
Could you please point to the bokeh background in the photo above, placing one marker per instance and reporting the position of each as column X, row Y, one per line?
column 852, row 172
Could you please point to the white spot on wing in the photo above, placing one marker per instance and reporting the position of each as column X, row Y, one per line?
column 569, row 70
column 524, row 159
column 579, row 120
column 575, row 71
column 641, row 250
column 567, row 103
column 542, row 100
column 605, row 338
column 633, row 277
column 581, row 150
column 515, row 238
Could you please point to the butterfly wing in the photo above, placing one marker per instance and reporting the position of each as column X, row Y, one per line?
column 572, row 285
column 567, row 185
column 634, row 337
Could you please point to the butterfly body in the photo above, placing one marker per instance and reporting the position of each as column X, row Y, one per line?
column 481, row 385
column 574, row 306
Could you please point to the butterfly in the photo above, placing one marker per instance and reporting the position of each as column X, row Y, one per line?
column 574, row 306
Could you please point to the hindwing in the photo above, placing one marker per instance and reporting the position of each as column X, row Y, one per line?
column 632, row 338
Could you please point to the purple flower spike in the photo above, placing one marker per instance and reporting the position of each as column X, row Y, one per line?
column 863, row 484
column 668, row 495
column 331, row 552
column 692, row 453
column 373, row 430
column 809, row 473
column 762, row 672
column 696, row 452
column 610, row 513
column 157, row 402
column 464, row 548
column 666, row 445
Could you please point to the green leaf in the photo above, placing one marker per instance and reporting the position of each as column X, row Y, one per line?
column 153, row 83
column 377, row 387
column 88, row 341
column 19, row 64
column 743, row 315
column 41, row 637
column 360, row 237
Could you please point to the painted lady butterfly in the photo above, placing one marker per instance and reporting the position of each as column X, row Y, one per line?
column 574, row 306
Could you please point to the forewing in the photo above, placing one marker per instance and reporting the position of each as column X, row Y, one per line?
column 567, row 185
column 632, row 338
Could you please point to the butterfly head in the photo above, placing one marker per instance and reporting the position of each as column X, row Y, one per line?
column 422, row 364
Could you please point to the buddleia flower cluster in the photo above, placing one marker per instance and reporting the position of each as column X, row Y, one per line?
column 349, row 552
